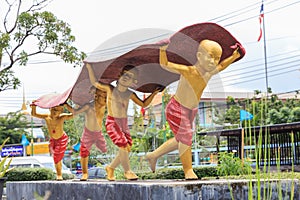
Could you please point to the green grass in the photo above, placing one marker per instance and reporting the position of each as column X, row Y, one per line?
column 270, row 175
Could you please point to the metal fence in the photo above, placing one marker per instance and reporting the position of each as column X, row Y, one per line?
column 275, row 145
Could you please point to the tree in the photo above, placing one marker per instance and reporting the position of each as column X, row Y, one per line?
column 139, row 136
column 295, row 115
column 230, row 115
column 74, row 128
column 138, row 125
column 274, row 117
column 29, row 31
column 13, row 125
column 278, row 111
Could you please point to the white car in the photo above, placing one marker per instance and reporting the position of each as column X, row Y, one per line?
column 37, row 161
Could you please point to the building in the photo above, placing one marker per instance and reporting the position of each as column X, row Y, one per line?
column 205, row 111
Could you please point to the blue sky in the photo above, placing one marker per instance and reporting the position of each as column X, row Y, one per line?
column 94, row 22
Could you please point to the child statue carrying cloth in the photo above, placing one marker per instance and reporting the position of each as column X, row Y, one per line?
column 92, row 134
column 183, row 106
column 58, row 138
column 116, row 123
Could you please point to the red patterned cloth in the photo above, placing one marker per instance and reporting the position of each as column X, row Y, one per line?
column 58, row 147
column 118, row 131
column 88, row 139
column 181, row 121
column 53, row 99
column 182, row 49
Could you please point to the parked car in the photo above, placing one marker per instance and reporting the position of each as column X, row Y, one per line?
column 95, row 173
column 37, row 161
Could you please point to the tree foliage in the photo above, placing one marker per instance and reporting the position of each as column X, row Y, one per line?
column 28, row 31
column 149, row 137
column 13, row 125
column 265, row 111
column 74, row 128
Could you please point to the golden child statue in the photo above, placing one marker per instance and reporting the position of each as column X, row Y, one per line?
column 58, row 138
column 92, row 134
column 182, row 108
column 116, row 123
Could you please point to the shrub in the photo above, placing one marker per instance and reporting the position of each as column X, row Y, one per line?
column 4, row 167
column 34, row 174
column 177, row 173
column 230, row 165
column 30, row 174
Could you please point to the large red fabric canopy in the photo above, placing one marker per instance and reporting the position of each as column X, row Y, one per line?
column 182, row 49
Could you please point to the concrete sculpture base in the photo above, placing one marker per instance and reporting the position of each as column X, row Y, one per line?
column 151, row 189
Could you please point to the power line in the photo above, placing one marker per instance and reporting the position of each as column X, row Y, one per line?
column 124, row 47
column 248, row 18
column 230, row 14
column 259, row 59
column 240, row 11
column 257, row 78
column 276, row 67
column 225, row 17
column 250, row 69
column 254, row 68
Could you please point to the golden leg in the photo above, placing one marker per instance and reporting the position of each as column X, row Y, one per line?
column 168, row 146
column 84, row 166
column 124, row 158
column 185, row 153
column 58, row 168
column 111, row 168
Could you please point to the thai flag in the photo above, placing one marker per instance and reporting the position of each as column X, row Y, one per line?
column 261, row 16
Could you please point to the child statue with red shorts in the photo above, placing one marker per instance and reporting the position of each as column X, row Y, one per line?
column 182, row 108
column 116, row 123
column 92, row 134
column 58, row 138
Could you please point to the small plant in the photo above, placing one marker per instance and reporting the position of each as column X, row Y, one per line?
column 4, row 167
column 230, row 165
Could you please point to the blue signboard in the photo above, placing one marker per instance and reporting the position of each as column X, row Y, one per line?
column 12, row 150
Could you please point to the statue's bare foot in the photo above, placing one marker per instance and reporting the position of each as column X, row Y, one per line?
column 84, row 177
column 59, row 178
column 110, row 173
column 129, row 175
column 152, row 161
column 190, row 175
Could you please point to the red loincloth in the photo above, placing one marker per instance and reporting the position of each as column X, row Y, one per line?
column 118, row 131
column 181, row 121
column 88, row 139
column 58, row 147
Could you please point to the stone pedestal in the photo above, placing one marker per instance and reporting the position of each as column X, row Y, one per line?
column 150, row 190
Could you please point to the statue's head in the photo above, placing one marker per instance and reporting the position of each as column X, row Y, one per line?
column 128, row 75
column 57, row 110
column 209, row 54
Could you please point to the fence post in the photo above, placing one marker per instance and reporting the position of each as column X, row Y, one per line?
column 242, row 144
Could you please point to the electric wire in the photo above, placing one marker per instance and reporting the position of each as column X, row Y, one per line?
column 222, row 18
column 133, row 44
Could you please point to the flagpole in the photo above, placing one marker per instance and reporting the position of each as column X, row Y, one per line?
column 265, row 52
